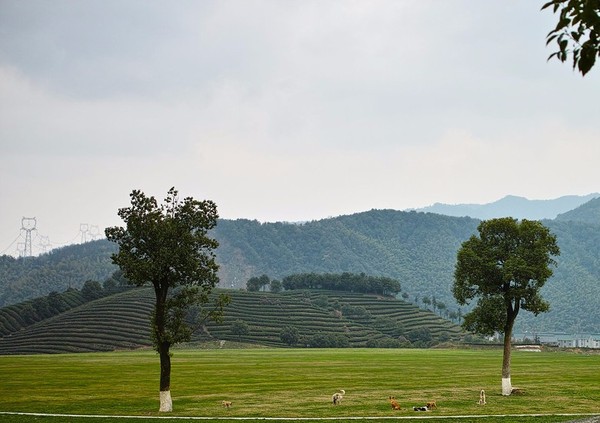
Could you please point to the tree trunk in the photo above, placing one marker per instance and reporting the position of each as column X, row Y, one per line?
column 162, row 346
column 166, row 404
column 506, row 384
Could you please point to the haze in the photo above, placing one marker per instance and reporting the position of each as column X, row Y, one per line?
column 283, row 110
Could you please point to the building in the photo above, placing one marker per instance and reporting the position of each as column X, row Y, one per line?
column 579, row 341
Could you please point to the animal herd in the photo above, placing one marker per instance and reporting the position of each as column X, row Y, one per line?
column 336, row 399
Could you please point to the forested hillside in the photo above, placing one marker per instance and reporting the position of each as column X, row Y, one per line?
column 587, row 213
column 417, row 249
column 68, row 267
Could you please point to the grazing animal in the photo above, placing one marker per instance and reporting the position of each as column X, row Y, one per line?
column 431, row 405
column 226, row 404
column 482, row 397
column 337, row 397
column 394, row 403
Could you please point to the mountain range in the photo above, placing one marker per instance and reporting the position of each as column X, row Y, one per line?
column 416, row 248
column 511, row 205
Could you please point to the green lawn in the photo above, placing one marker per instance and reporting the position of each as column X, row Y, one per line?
column 299, row 383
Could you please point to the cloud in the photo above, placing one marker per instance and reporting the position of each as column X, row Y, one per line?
column 285, row 110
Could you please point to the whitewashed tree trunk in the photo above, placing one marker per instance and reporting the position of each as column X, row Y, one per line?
column 506, row 386
column 166, row 404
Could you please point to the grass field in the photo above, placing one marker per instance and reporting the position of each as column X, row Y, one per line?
column 298, row 383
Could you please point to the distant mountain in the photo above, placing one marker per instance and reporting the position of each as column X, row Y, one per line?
column 513, row 206
column 588, row 213
column 417, row 249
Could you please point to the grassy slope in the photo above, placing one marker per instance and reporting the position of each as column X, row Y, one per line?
column 299, row 383
column 121, row 321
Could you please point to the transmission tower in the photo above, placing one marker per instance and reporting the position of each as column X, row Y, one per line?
column 44, row 243
column 83, row 228
column 94, row 232
column 28, row 225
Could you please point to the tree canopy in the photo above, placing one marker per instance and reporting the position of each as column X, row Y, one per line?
column 577, row 32
column 343, row 282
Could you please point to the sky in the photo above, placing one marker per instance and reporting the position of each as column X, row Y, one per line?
column 282, row 110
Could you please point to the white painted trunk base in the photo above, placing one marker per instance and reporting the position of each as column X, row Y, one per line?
column 506, row 386
column 166, row 404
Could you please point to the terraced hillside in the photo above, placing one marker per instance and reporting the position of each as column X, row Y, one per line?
column 121, row 321
column 313, row 312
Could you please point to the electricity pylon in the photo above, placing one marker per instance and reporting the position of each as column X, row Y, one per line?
column 28, row 225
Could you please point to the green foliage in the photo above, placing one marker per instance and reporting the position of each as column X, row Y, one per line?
column 289, row 335
column 421, row 334
column 326, row 340
column 505, row 267
column 258, row 283
column 121, row 321
column 417, row 249
column 577, row 32
column 586, row 213
column 355, row 311
column 343, row 282
column 240, row 328
column 276, row 286
column 63, row 268
column 168, row 246
column 19, row 316
column 390, row 326
column 91, row 290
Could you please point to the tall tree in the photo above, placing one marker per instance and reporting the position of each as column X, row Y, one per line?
column 504, row 267
column 168, row 246
column 577, row 32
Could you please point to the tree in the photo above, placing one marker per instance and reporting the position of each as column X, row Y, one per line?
column 168, row 247
column 57, row 302
column 504, row 267
column 240, row 328
column 91, row 290
column 289, row 335
column 420, row 337
column 441, row 307
column 257, row 283
column 577, row 32
column 276, row 286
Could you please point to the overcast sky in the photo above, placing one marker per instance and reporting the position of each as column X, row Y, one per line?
column 283, row 110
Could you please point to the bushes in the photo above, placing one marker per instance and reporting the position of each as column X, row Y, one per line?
column 326, row 340
column 343, row 282
column 289, row 335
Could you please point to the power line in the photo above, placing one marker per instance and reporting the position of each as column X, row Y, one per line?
column 11, row 244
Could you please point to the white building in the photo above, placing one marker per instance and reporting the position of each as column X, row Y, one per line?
column 579, row 341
